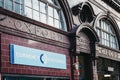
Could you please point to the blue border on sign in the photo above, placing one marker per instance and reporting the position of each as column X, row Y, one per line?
column 34, row 57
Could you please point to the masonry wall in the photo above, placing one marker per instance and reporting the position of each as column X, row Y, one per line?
column 8, row 68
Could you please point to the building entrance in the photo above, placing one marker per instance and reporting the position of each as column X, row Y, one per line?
column 108, row 69
column 85, row 67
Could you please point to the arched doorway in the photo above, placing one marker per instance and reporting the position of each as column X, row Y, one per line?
column 84, row 47
column 85, row 50
column 83, row 41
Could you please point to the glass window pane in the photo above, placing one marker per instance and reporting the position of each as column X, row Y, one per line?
column 17, row 8
column 107, row 36
column 22, row 1
column 1, row 0
column 103, row 41
column 62, row 26
column 57, row 24
column 1, row 3
column 43, row 18
column 113, row 45
column 28, row 12
column 42, row 7
column 56, row 14
column 102, row 24
column 35, row 5
column 107, row 43
column 116, row 46
column 22, row 9
column 62, row 22
column 50, row 11
column 8, row 5
column 36, row 15
column 50, row 21
column 111, row 29
column 102, row 34
column 110, row 45
column 111, row 38
column 28, row 3
column 107, row 28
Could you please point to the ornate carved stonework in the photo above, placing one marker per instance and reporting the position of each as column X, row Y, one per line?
column 33, row 29
column 107, row 53
column 82, row 43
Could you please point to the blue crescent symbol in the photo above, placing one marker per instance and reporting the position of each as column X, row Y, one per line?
column 43, row 58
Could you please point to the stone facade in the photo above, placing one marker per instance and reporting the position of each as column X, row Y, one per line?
column 80, row 43
column 98, row 9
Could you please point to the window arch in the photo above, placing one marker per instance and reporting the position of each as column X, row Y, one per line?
column 45, row 11
column 107, row 34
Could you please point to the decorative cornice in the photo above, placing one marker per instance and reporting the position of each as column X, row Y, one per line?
column 21, row 26
column 114, row 4
column 107, row 53
column 4, row 29
column 104, row 9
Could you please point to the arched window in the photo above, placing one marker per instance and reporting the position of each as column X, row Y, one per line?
column 107, row 34
column 45, row 11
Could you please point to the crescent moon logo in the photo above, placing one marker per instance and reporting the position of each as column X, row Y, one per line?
column 43, row 58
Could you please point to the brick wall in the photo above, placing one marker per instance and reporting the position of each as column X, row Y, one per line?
column 6, row 67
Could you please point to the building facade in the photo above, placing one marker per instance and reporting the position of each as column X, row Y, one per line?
column 96, row 39
column 34, row 40
column 59, row 40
